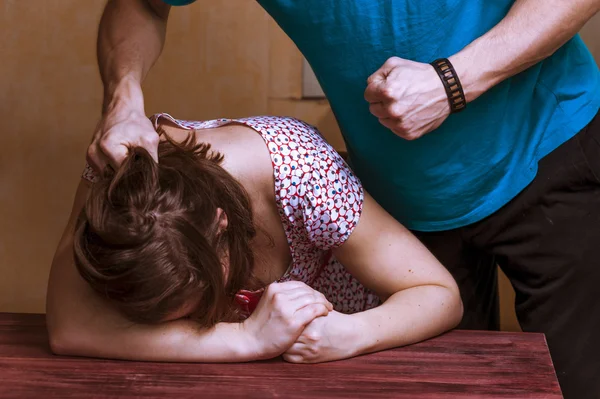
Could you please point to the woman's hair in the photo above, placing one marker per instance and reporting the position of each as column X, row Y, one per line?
column 148, row 238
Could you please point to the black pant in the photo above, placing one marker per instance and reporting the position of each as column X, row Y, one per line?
column 547, row 241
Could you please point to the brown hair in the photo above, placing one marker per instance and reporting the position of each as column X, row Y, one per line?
column 148, row 237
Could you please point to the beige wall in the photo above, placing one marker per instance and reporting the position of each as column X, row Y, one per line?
column 222, row 59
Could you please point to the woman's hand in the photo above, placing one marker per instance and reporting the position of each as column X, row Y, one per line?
column 327, row 338
column 282, row 314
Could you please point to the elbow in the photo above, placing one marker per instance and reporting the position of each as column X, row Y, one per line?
column 453, row 305
column 63, row 337
column 449, row 306
column 60, row 331
column 68, row 342
column 457, row 311
column 61, row 343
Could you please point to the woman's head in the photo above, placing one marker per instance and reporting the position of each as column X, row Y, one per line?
column 166, row 239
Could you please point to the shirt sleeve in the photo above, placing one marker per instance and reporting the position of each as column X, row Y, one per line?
column 332, row 199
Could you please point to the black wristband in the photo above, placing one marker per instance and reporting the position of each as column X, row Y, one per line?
column 454, row 90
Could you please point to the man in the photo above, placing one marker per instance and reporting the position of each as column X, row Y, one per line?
column 491, row 154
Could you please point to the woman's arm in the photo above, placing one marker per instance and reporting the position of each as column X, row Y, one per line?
column 81, row 323
column 423, row 299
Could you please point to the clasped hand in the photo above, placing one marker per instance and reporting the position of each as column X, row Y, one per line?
column 299, row 323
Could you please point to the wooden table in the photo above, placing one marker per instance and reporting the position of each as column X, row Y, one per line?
column 460, row 364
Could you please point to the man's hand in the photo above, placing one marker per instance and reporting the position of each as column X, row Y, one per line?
column 130, row 38
column 115, row 134
column 407, row 97
column 123, row 125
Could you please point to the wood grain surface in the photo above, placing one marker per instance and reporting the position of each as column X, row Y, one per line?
column 459, row 364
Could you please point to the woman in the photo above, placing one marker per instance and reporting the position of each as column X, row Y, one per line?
column 166, row 262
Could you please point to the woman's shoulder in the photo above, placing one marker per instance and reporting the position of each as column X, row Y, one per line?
column 295, row 146
column 314, row 187
column 283, row 130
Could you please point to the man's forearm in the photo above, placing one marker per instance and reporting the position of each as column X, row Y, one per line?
column 532, row 31
column 130, row 39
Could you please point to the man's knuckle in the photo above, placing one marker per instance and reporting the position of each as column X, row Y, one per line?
column 151, row 139
column 105, row 144
column 411, row 136
column 394, row 112
column 91, row 152
column 387, row 92
column 392, row 61
column 400, row 133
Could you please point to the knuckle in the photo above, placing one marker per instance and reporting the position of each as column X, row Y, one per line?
column 394, row 60
column 292, row 358
column 91, row 152
column 105, row 144
column 401, row 126
column 394, row 112
column 151, row 139
column 292, row 324
column 313, row 336
column 399, row 133
column 317, row 310
column 410, row 136
column 304, row 285
column 387, row 92
column 319, row 297
column 271, row 289
column 409, row 132
column 313, row 350
column 277, row 298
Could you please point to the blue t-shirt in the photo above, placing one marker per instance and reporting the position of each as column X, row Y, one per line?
column 479, row 159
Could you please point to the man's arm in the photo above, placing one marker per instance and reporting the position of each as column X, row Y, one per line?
column 130, row 39
column 408, row 97
column 531, row 32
